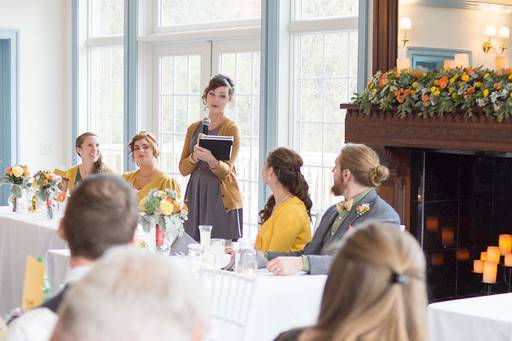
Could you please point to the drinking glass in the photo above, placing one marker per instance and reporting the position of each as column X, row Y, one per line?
column 217, row 245
column 194, row 257
column 205, row 232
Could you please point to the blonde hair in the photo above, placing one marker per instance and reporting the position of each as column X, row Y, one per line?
column 150, row 138
column 363, row 162
column 375, row 289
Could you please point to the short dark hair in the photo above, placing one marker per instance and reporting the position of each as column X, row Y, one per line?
column 216, row 82
column 101, row 213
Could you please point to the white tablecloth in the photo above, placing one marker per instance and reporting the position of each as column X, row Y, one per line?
column 21, row 235
column 482, row 318
column 58, row 265
column 244, row 308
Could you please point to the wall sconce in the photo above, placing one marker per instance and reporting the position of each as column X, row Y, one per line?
column 405, row 25
column 490, row 46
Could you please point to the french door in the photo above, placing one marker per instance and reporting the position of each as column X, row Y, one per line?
column 180, row 73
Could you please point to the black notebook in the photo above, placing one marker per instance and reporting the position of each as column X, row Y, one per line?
column 220, row 146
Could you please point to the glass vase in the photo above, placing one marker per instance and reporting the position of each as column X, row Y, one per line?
column 49, row 209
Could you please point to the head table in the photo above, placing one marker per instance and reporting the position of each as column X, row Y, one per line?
column 243, row 307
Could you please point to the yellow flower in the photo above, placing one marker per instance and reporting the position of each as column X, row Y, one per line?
column 437, row 93
column 370, row 85
column 374, row 91
column 450, row 90
column 454, row 95
column 478, row 84
column 17, row 171
column 465, row 77
column 433, row 89
column 454, row 78
column 414, row 85
column 486, row 92
column 510, row 77
column 166, row 207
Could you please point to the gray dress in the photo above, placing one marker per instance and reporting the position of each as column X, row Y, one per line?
column 204, row 201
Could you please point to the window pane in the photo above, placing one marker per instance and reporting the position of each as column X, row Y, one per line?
column 179, row 99
column 106, row 109
column 327, row 77
column 314, row 9
column 241, row 67
column 185, row 12
column 106, row 17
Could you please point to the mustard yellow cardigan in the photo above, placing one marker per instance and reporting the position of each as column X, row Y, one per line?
column 287, row 229
column 225, row 171
column 160, row 181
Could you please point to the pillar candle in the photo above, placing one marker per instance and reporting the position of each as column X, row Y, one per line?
column 493, row 254
column 478, row 266
column 490, row 270
column 483, row 255
column 505, row 244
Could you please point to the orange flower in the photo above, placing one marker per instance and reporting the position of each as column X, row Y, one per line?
column 417, row 74
column 425, row 98
column 470, row 91
column 443, row 82
column 398, row 96
column 8, row 171
column 382, row 83
column 497, row 86
column 407, row 92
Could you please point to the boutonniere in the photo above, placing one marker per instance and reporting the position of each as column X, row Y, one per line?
column 362, row 209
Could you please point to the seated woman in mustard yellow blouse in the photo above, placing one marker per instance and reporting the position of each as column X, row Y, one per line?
column 285, row 219
column 87, row 146
column 145, row 152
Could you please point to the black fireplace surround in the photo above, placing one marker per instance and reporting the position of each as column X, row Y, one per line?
column 460, row 203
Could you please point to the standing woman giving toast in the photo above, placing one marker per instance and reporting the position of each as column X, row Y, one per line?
column 212, row 194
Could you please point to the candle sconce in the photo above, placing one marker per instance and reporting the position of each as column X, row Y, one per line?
column 489, row 263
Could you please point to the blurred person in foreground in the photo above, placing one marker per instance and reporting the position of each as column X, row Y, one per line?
column 375, row 290
column 101, row 213
column 132, row 295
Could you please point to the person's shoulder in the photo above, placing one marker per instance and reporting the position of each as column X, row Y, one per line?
column 193, row 126
column 34, row 325
column 384, row 209
column 129, row 175
column 294, row 204
column 290, row 335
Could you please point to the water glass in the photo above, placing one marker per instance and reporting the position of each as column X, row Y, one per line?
column 194, row 257
column 247, row 262
column 217, row 245
column 205, row 232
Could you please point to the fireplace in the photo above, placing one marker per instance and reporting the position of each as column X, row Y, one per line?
column 450, row 182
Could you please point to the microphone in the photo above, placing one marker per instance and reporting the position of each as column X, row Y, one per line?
column 206, row 123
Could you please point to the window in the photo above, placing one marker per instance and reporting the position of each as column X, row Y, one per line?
column 181, row 71
column 102, row 77
column 325, row 75
column 184, row 12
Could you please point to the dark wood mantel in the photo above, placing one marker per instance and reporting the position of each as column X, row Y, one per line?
column 393, row 139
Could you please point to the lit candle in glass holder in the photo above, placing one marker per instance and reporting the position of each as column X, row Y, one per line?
column 478, row 266
column 508, row 260
column 483, row 255
column 490, row 270
column 505, row 244
column 493, row 254
column 449, row 64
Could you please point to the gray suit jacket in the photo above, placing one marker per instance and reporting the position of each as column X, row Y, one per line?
column 322, row 248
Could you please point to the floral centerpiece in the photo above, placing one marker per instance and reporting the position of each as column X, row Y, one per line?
column 429, row 93
column 20, row 178
column 46, row 183
column 165, row 211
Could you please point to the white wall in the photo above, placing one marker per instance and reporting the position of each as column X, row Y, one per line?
column 453, row 29
column 45, row 79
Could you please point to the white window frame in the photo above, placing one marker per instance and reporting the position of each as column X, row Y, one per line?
column 295, row 29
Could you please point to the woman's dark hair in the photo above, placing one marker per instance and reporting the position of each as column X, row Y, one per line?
column 216, row 82
column 286, row 165
column 99, row 166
